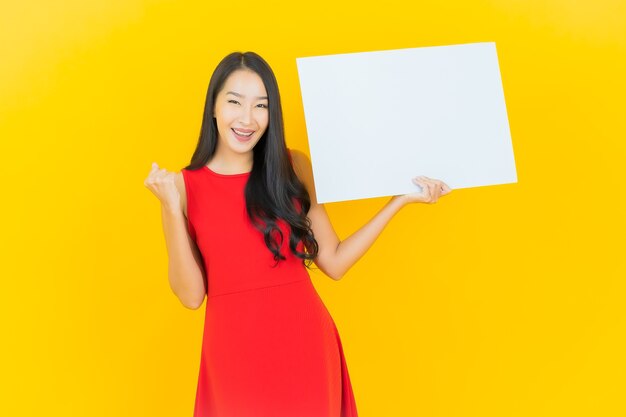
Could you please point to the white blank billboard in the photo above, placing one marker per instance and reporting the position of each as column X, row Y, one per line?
column 377, row 119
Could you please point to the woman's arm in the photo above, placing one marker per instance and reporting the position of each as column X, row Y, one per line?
column 336, row 257
column 185, row 268
column 185, row 275
column 185, row 271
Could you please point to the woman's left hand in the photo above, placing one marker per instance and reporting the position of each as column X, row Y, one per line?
column 432, row 189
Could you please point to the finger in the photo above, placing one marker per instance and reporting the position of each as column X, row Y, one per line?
column 435, row 186
column 154, row 168
column 438, row 189
column 421, row 188
column 162, row 173
column 432, row 193
column 426, row 190
column 420, row 183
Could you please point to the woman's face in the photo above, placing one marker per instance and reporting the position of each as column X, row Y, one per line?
column 241, row 112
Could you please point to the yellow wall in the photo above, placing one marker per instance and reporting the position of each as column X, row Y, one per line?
column 497, row 301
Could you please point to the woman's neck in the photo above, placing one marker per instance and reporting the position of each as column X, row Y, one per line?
column 230, row 162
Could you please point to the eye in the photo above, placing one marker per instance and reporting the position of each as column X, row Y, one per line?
column 233, row 101
column 263, row 106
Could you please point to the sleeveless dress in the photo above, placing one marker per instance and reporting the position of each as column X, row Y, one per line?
column 270, row 348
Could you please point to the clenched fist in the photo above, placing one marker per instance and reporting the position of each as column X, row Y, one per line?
column 162, row 184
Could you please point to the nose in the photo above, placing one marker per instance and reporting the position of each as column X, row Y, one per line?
column 245, row 116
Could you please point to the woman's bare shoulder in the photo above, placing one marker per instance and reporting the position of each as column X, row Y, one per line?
column 300, row 160
column 304, row 170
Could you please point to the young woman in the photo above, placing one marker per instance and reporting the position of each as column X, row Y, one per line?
column 242, row 225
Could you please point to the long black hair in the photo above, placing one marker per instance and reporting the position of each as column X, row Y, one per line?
column 272, row 185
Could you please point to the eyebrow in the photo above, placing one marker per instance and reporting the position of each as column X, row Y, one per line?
column 242, row 96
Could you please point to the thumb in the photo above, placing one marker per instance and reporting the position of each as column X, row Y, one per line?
column 155, row 166
column 419, row 183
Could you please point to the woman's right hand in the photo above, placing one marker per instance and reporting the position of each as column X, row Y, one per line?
column 161, row 183
column 432, row 190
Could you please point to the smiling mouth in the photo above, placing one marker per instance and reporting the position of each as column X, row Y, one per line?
column 243, row 135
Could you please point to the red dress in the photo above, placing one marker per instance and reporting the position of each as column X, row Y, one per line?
column 270, row 347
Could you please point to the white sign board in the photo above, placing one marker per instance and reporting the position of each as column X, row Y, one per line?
column 377, row 119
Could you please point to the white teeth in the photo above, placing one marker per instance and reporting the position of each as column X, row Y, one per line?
column 242, row 134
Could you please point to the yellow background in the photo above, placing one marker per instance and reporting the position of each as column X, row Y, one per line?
column 497, row 301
